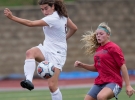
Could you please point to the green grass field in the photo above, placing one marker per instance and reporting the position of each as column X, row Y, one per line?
column 68, row 94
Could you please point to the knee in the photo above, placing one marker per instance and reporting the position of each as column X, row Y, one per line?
column 101, row 97
column 29, row 53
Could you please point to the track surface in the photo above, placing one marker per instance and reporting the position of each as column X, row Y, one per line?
column 42, row 84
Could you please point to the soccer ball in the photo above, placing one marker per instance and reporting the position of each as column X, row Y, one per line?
column 45, row 69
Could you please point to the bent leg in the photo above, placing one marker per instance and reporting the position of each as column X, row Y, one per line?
column 105, row 94
column 93, row 92
column 30, row 64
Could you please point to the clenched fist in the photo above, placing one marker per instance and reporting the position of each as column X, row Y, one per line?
column 78, row 64
column 8, row 13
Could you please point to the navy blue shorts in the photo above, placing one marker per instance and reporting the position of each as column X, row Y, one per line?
column 95, row 89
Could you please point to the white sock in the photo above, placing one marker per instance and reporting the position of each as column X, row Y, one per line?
column 29, row 68
column 56, row 95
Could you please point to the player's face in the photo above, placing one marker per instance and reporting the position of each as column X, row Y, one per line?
column 46, row 9
column 102, row 36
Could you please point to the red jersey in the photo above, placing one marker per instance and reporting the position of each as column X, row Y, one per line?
column 108, row 60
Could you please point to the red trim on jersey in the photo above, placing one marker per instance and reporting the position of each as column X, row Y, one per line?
column 108, row 60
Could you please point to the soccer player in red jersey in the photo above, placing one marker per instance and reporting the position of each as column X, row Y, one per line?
column 109, row 62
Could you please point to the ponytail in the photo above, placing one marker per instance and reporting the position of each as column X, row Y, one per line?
column 60, row 8
column 90, row 42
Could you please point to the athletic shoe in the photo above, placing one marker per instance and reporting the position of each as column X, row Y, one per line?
column 27, row 84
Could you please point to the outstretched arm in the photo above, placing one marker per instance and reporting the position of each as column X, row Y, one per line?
column 72, row 28
column 25, row 22
column 129, row 90
column 85, row 66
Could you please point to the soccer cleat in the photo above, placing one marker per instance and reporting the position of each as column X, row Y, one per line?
column 27, row 84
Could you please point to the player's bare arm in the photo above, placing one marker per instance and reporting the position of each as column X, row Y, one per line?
column 85, row 66
column 25, row 22
column 129, row 90
column 72, row 28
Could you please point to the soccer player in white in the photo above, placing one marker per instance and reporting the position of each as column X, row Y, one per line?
column 54, row 47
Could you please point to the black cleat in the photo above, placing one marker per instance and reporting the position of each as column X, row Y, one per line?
column 27, row 84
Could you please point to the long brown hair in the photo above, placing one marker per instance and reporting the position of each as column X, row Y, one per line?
column 58, row 4
column 90, row 39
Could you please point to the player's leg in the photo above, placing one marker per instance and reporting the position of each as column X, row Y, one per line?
column 88, row 97
column 92, row 93
column 53, row 86
column 105, row 94
column 109, row 91
column 58, row 61
column 30, row 65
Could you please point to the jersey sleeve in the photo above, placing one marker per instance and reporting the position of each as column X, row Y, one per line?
column 118, row 55
column 50, row 21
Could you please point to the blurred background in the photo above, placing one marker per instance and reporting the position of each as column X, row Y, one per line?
column 15, row 38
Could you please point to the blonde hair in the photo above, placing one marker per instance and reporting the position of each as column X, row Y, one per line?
column 90, row 41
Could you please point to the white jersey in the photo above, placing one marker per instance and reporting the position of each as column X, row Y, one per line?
column 55, row 34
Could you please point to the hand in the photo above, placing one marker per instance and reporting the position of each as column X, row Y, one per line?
column 8, row 13
column 130, row 91
column 77, row 64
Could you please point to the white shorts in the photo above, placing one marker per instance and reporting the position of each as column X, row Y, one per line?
column 55, row 58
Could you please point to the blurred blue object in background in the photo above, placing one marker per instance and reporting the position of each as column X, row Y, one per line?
column 64, row 75
column 78, row 75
